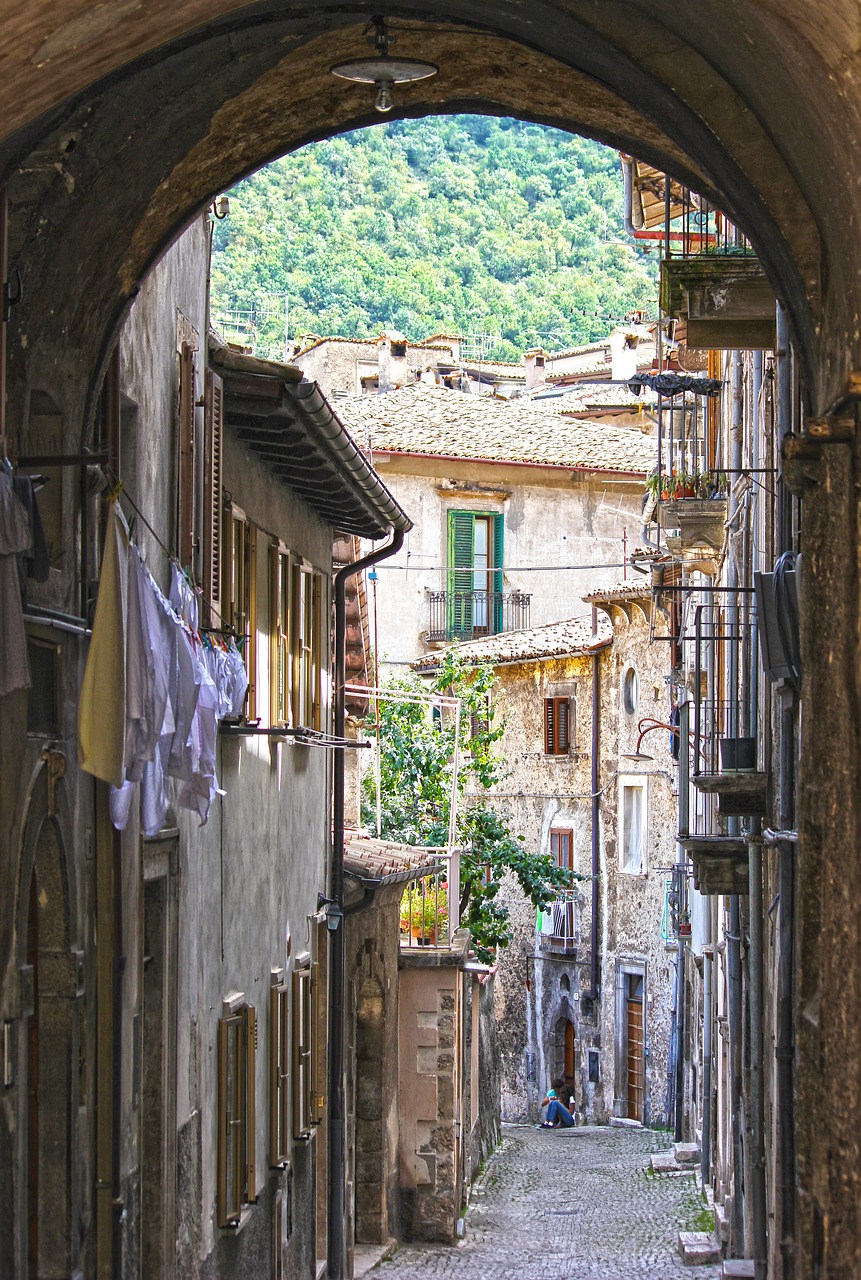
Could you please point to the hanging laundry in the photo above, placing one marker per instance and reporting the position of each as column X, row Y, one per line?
column 102, row 703
column 35, row 563
column 15, row 540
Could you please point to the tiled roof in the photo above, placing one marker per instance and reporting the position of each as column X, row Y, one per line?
column 638, row 588
column 437, row 422
column 385, row 860
column 555, row 640
column 603, row 345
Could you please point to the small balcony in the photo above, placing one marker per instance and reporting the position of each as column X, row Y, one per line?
column 468, row 615
column 559, row 934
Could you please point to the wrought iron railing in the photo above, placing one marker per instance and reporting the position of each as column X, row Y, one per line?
column 467, row 615
column 429, row 907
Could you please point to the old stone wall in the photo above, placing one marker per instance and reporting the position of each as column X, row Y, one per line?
column 542, row 987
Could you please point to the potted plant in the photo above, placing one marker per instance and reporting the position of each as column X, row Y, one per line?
column 424, row 910
column 684, row 924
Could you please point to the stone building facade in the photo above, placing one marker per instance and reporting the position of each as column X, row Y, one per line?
column 163, row 986
column 588, row 1007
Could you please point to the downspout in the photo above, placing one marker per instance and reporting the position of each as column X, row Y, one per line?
column 633, row 219
column 681, row 890
column 755, row 959
column 337, row 950
column 733, row 938
column 596, row 807
column 785, row 1031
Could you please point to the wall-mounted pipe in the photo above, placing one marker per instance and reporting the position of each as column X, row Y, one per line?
column 337, row 951
column 596, row 807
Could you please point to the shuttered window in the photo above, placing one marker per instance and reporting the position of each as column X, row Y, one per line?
column 213, row 426
column 236, row 1181
column 280, row 574
column 557, row 726
column 185, row 525
column 303, row 1054
column 279, row 1070
column 474, row 574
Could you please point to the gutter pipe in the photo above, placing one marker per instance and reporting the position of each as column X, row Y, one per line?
column 633, row 220
column 787, row 833
column 596, row 808
column 335, row 916
column 682, row 891
column 757, row 1102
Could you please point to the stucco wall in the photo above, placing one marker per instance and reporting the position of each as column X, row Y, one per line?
column 561, row 530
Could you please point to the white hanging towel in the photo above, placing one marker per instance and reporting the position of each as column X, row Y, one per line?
column 102, row 704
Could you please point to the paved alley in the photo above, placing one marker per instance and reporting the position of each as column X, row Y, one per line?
column 576, row 1204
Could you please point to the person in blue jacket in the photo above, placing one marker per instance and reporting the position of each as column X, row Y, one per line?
column 558, row 1116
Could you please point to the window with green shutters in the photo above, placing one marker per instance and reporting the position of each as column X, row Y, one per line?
column 474, row 574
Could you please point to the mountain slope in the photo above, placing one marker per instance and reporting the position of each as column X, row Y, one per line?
column 461, row 223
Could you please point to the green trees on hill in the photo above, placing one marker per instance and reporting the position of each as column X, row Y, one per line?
column 462, row 223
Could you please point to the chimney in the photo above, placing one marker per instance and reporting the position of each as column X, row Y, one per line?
column 536, row 367
column 392, row 347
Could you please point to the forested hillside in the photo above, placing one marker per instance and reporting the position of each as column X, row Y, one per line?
column 459, row 223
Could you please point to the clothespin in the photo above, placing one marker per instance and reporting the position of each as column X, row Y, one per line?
column 115, row 492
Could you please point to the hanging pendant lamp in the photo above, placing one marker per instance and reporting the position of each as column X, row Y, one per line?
column 382, row 70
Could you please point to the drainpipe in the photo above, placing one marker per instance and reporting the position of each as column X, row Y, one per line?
column 785, row 1039
column 337, row 951
column 755, row 958
column 596, row 806
column 633, row 218
column 708, row 1015
column 785, row 1030
column 682, row 891
column 733, row 937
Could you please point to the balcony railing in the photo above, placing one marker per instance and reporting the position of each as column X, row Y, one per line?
column 467, row 615
column 560, row 932
column 429, row 906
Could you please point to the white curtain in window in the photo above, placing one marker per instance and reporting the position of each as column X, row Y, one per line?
column 633, row 828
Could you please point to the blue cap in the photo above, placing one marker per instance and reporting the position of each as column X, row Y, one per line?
column 551, row 1093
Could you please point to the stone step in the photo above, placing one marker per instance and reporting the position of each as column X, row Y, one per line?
column 686, row 1152
column 738, row 1269
column 664, row 1162
column 721, row 1222
column 697, row 1248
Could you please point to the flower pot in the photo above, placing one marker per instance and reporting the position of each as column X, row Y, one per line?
column 425, row 935
column 685, row 929
column 737, row 755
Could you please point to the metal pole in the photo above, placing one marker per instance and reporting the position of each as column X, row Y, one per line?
column 681, row 879
column 757, row 1100
column 785, row 1040
column 708, row 1015
column 596, row 806
column 337, row 951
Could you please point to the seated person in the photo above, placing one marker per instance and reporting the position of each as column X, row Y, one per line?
column 558, row 1116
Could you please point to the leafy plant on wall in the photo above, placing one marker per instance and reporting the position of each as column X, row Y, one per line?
column 416, row 766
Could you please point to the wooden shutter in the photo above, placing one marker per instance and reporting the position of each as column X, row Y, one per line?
column 549, row 726
column 460, row 584
column 561, row 726
column 213, row 401
column 557, row 740
column 250, row 1104
column 496, row 560
column 185, row 512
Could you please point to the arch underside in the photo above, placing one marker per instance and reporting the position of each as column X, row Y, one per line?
column 126, row 126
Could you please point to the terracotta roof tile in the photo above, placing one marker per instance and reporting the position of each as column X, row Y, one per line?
column 437, row 422
column 555, row 640
column 637, row 589
column 384, row 859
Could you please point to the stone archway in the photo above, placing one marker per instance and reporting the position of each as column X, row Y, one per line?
column 120, row 129
column 371, row 1209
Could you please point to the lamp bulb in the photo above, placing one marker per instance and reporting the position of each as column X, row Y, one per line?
column 384, row 101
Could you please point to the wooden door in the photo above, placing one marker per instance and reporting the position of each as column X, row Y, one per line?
column 634, row 1012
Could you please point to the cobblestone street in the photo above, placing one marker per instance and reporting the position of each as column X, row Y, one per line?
column 574, row 1204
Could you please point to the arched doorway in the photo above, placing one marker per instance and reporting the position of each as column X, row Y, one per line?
column 565, row 1055
column 371, row 1212
column 50, row 1042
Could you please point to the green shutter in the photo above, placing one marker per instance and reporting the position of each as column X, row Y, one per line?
column 459, row 585
column 496, row 578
